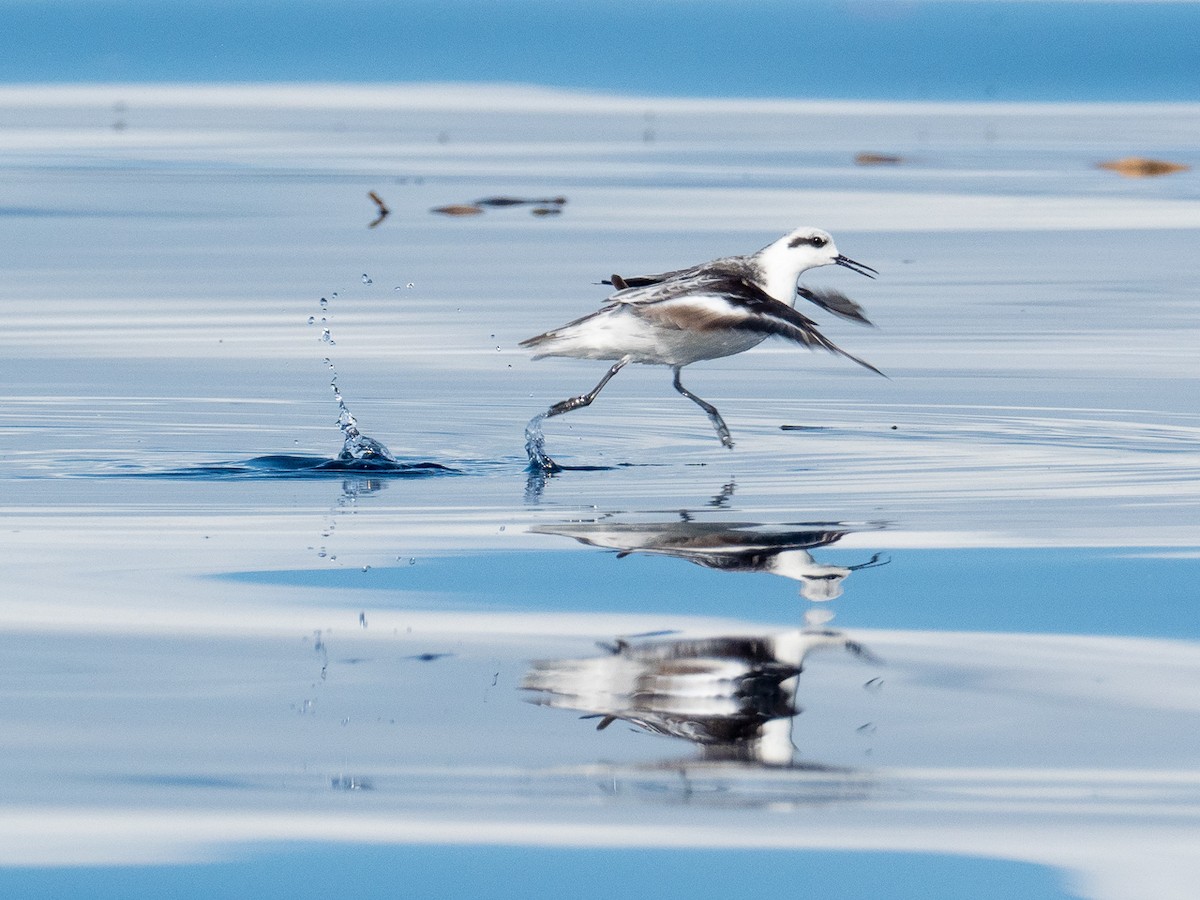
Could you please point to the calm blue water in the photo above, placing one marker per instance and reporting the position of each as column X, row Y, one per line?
column 534, row 873
column 719, row 48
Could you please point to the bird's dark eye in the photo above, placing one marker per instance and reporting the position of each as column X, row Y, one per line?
column 815, row 241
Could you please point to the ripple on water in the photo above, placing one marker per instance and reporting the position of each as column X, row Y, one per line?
column 298, row 467
column 932, row 467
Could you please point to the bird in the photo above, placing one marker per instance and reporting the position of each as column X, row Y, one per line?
column 711, row 310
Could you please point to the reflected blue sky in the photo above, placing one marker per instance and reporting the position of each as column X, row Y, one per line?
column 1051, row 590
column 768, row 48
column 533, row 873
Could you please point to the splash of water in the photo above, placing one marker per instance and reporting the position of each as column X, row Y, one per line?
column 355, row 444
column 535, row 447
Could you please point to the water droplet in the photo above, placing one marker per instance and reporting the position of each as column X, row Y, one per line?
column 366, row 279
column 324, row 302
column 334, row 295
column 326, row 337
column 312, row 320
column 412, row 560
column 366, row 568
column 410, row 285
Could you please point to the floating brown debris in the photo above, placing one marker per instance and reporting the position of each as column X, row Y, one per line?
column 384, row 212
column 877, row 159
column 1141, row 167
column 459, row 209
column 520, row 201
column 543, row 206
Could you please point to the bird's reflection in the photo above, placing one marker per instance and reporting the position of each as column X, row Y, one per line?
column 729, row 547
column 735, row 697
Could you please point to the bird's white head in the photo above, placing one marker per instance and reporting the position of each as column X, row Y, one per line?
column 784, row 260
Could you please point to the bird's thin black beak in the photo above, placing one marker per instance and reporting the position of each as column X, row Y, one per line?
column 855, row 266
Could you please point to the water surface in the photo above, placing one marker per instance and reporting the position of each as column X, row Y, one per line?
column 931, row 631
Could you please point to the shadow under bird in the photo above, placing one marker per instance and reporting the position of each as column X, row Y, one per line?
column 708, row 311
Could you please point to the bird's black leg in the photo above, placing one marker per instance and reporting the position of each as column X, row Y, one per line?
column 586, row 399
column 535, row 442
column 713, row 416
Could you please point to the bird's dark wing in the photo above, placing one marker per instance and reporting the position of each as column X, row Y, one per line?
column 828, row 299
column 631, row 297
column 730, row 265
column 711, row 302
column 630, row 281
column 835, row 302
column 652, row 288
